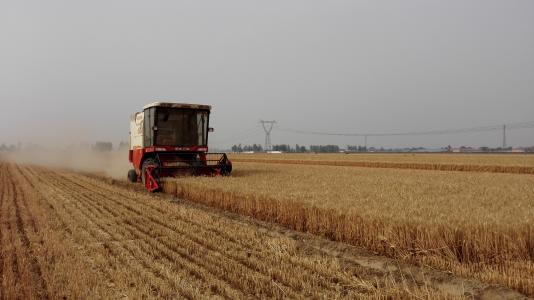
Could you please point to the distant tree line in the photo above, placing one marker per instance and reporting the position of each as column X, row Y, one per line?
column 287, row 148
column 313, row 149
column 351, row 148
column 324, row 148
column 247, row 148
column 258, row 148
column 489, row 149
column 357, row 149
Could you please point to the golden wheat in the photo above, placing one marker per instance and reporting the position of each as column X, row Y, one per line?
column 524, row 164
column 516, row 159
column 474, row 224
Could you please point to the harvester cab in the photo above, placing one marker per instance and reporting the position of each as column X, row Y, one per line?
column 171, row 139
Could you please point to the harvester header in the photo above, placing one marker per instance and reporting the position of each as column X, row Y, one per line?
column 171, row 139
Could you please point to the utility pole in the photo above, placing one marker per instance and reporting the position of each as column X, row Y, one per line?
column 268, row 127
column 504, row 136
column 365, row 142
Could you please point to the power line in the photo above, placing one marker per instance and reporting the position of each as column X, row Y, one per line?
column 510, row 126
column 269, row 126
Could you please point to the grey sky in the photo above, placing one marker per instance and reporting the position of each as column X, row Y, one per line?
column 75, row 70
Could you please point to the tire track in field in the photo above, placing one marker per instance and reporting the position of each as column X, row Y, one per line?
column 244, row 260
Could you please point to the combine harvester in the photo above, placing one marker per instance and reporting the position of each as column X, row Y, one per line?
column 171, row 139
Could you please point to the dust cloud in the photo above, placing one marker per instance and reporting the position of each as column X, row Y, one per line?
column 114, row 164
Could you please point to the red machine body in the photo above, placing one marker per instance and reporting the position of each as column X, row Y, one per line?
column 169, row 140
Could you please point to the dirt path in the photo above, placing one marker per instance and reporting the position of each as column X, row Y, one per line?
column 68, row 235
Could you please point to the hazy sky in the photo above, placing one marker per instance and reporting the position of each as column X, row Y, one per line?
column 75, row 70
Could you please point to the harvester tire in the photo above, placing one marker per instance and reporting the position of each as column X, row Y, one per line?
column 132, row 176
column 226, row 170
column 155, row 174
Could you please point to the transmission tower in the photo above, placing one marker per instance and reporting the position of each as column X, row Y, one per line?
column 268, row 127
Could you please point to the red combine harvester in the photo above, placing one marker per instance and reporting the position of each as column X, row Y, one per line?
column 171, row 139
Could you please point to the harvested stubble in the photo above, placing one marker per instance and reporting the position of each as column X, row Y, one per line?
column 515, row 164
column 64, row 235
column 474, row 224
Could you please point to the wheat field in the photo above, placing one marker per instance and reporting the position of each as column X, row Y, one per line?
column 515, row 164
column 518, row 159
column 478, row 225
column 64, row 235
column 400, row 234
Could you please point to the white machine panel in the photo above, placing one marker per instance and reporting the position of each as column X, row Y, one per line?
column 136, row 130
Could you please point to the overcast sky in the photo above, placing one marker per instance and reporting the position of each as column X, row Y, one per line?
column 75, row 70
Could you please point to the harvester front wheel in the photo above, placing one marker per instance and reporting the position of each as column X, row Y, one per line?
column 226, row 170
column 150, row 175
